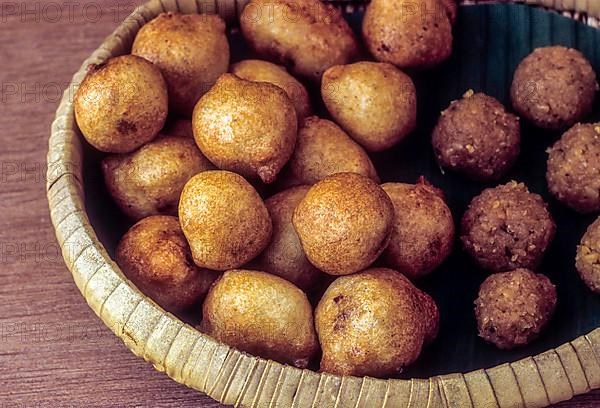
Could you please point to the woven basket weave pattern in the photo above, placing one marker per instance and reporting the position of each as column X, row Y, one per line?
column 231, row 377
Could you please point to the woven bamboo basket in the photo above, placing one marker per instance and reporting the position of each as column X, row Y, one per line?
column 239, row 379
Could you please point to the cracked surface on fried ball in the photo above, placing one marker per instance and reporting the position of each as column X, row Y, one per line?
column 514, row 307
column 573, row 171
column 587, row 259
column 507, row 227
column 476, row 136
column 554, row 87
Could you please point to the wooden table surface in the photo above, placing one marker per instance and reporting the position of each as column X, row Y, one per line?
column 53, row 350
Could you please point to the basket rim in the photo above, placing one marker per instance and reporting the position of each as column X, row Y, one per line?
column 237, row 378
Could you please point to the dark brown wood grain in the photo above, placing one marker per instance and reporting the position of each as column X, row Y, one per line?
column 54, row 351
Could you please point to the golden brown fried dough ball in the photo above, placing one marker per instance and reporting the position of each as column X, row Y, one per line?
column 263, row 315
column 149, row 181
column 554, row 87
column 284, row 256
column 191, row 51
column 246, row 127
column 476, row 136
column 573, row 171
column 263, row 71
column 507, row 227
column 155, row 256
column 514, row 307
column 344, row 223
column 423, row 232
column 224, row 219
column 409, row 34
column 587, row 260
column 373, row 323
column 374, row 102
column 307, row 36
column 121, row 104
column 324, row 149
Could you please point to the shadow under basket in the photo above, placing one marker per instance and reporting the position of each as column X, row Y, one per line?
column 459, row 369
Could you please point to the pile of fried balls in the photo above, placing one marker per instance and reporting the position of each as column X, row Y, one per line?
column 191, row 139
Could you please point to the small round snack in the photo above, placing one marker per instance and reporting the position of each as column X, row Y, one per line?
column 373, row 323
column 587, row 259
column 409, row 34
column 514, row 307
column 324, row 149
column 191, row 50
column 344, row 223
column 374, row 102
column 477, row 137
column 149, row 181
column 307, row 36
column 507, row 227
column 554, row 87
column 423, row 232
column 573, row 171
column 121, row 104
column 224, row 219
column 284, row 256
column 263, row 71
column 261, row 314
column 155, row 256
column 246, row 127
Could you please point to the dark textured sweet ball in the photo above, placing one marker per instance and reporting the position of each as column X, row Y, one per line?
column 477, row 137
column 554, row 87
column 587, row 260
column 507, row 227
column 573, row 171
column 514, row 307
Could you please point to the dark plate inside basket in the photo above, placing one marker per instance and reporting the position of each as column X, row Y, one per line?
column 490, row 40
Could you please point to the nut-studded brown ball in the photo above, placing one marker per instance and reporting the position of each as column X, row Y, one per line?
column 409, row 34
column 507, row 227
column 191, row 50
column 423, row 232
column 587, row 260
column 514, row 307
column 554, row 87
column 156, row 257
column 121, row 104
column 344, row 223
column 573, row 171
column 476, row 136
column 261, row 314
column 373, row 323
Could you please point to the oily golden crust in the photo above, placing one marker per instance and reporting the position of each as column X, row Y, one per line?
column 149, row 181
column 190, row 50
column 261, row 314
column 324, row 149
column 514, row 307
column 224, row 220
column 284, row 256
column 373, row 323
column 344, row 223
column 247, row 127
column 587, row 260
column 409, row 34
column 554, row 87
column 155, row 256
column 263, row 71
column 476, row 136
column 507, row 227
column 374, row 102
column 121, row 104
column 573, row 171
column 305, row 35
column 423, row 232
